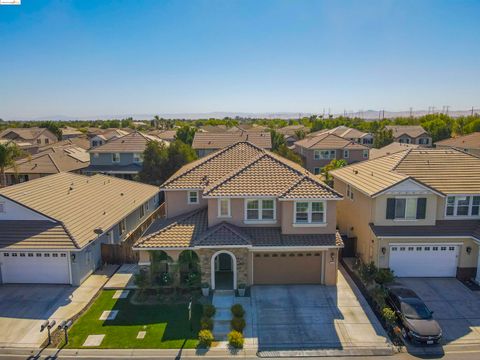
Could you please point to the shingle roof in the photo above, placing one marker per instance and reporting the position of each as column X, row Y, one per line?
column 208, row 140
column 470, row 141
column 33, row 234
column 81, row 203
column 191, row 230
column 244, row 169
column 448, row 171
column 133, row 142
column 392, row 148
column 410, row 130
column 328, row 141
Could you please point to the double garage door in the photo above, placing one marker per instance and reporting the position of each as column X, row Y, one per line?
column 287, row 268
column 424, row 260
column 34, row 267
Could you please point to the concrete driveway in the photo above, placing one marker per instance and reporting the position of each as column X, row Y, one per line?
column 23, row 308
column 299, row 317
column 455, row 307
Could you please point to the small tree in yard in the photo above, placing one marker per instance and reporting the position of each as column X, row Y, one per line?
column 9, row 152
column 382, row 137
column 332, row 165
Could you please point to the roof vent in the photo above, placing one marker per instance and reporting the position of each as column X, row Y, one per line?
column 121, row 194
column 355, row 171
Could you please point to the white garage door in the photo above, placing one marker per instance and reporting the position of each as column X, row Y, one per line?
column 34, row 267
column 420, row 260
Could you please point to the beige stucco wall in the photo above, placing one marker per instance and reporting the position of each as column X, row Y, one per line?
column 330, row 267
column 380, row 212
column 287, row 220
column 176, row 203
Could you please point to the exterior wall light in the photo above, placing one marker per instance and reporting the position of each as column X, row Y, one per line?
column 469, row 250
column 384, row 250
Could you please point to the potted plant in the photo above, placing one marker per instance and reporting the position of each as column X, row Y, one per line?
column 205, row 289
column 241, row 289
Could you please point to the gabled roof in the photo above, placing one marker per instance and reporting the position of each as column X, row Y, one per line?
column 209, row 140
column 80, row 203
column 26, row 133
column 470, row 141
column 244, row 169
column 342, row 131
column 69, row 131
column 223, row 234
column 291, row 129
column 446, row 171
column 328, row 141
column 168, row 135
column 390, row 149
column 410, row 130
column 130, row 143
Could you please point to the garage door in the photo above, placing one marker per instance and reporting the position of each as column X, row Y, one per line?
column 433, row 260
column 287, row 268
column 34, row 267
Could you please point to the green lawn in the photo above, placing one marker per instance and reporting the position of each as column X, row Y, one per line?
column 167, row 326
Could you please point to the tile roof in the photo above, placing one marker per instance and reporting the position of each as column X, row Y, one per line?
column 208, row 140
column 392, row 148
column 328, row 141
column 120, row 169
column 441, row 228
column 191, row 230
column 168, row 135
column 81, row 203
column 133, row 142
column 470, row 141
column 410, row 130
column 244, row 169
column 32, row 234
column 291, row 129
column 342, row 131
column 25, row 133
column 448, row 171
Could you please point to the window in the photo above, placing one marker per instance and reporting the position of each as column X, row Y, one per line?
column 404, row 140
column 223, row 207
column 365, row 154
column 464, row 205
column 137, row 157
column 38, row 254
column 46, row 255
column 346, row 154
column 94, row 143
column 122, row 226
column 46, row 141
column 96, row 155
column 116, row 157
column 39, row 141
column 193, row 197
column 324, row 154
column 309, row 212
column 55, row 255
column 349, row 192
column 2, row 207
column 406, row 208
column 260, row 210
column 22, row 254
column 147, row 206
column 142, row 211
column 423, row 141
column 316, row 171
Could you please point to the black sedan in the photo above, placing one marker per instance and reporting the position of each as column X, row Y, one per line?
column 417, row 321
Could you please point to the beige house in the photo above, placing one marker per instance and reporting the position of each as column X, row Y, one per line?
column 390, row 149
column 251, row 217
column 469, row 143
column 317, row 151
column 205, row 143
column 410, row 134
column 416, row 212
column 34, row 135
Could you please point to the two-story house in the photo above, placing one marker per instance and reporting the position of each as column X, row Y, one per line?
column 410, row 134
column 348, row 133
column 317, row 151
column 205, row 143
column 34, row 135
column 469, row 143
column 251, row 217
column 416, row 212
column 121, row 157
column 99, row 137
column 52, row 229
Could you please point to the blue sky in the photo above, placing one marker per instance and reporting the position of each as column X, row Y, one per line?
column 91, row 57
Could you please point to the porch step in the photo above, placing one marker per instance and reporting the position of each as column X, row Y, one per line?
column 221, row 329
column 223, row 301
column 224, row 292
column 223, row 314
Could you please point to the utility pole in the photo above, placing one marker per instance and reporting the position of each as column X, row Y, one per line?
column 411, row 112
column 446, row 108
column 472, row 110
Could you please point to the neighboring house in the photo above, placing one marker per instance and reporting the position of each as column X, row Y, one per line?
column 251, row 217
column 167, row 135
column 416, row 212
column 345, row 132
column 205, row 143
column 290, row 133
column 26, row 147
column 120, row 157
column 34, row 135
column 317, row 151
column 469, row 143
column 70, row 133
column 52, row 160
column 51, row 229
column 410, row 134
column 390, row 149
column 99, row 138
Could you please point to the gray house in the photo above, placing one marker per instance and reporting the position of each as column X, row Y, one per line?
column 52, row 229
column 121, row 157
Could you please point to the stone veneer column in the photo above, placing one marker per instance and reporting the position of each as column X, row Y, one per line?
column 241, row 255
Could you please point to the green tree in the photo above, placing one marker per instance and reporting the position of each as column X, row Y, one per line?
column 155, row 159
column 179, row 154
column 186, row 134
column 300, row 134
column 382, row 137
column 53, row 127
column 284, row 151
column 473, row 126
column 278, row 140
column 332, row 165
column 439, row 129
column 9, row 152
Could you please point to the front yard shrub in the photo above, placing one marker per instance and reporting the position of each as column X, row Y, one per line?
column 235, row 339
column 209, row 310
column 193, row 279
column 379, row 295
column 206, row 323
column 205, row 337
column 165, row 279
column 238, row 324
column 237, row 310
column 367, row 272
column 141, row 279
column 384, row 276
column 389, row 316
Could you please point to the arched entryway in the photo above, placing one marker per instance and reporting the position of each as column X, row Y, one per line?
column 224, row 270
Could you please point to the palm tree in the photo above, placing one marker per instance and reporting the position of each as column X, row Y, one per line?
column 9, row 152
column 332, row 165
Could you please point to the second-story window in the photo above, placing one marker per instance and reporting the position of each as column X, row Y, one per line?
column 309, row 212
column 223, row 207
column 137, row 157
column 260, row 209
column 464, row 205
column 122, row 226
column 142, row 211
column 346, row 154
column 323, row 154
column 406, row 208
column 193, row 197
column 365, row 154
column 2, row 207
column 116, row 157
column 349, row 192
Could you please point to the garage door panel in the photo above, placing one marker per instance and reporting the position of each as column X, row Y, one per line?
column 287, row 269
column 420, row 260
column 34, row 268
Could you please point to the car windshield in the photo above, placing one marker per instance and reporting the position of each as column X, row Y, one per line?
column 415, row 309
